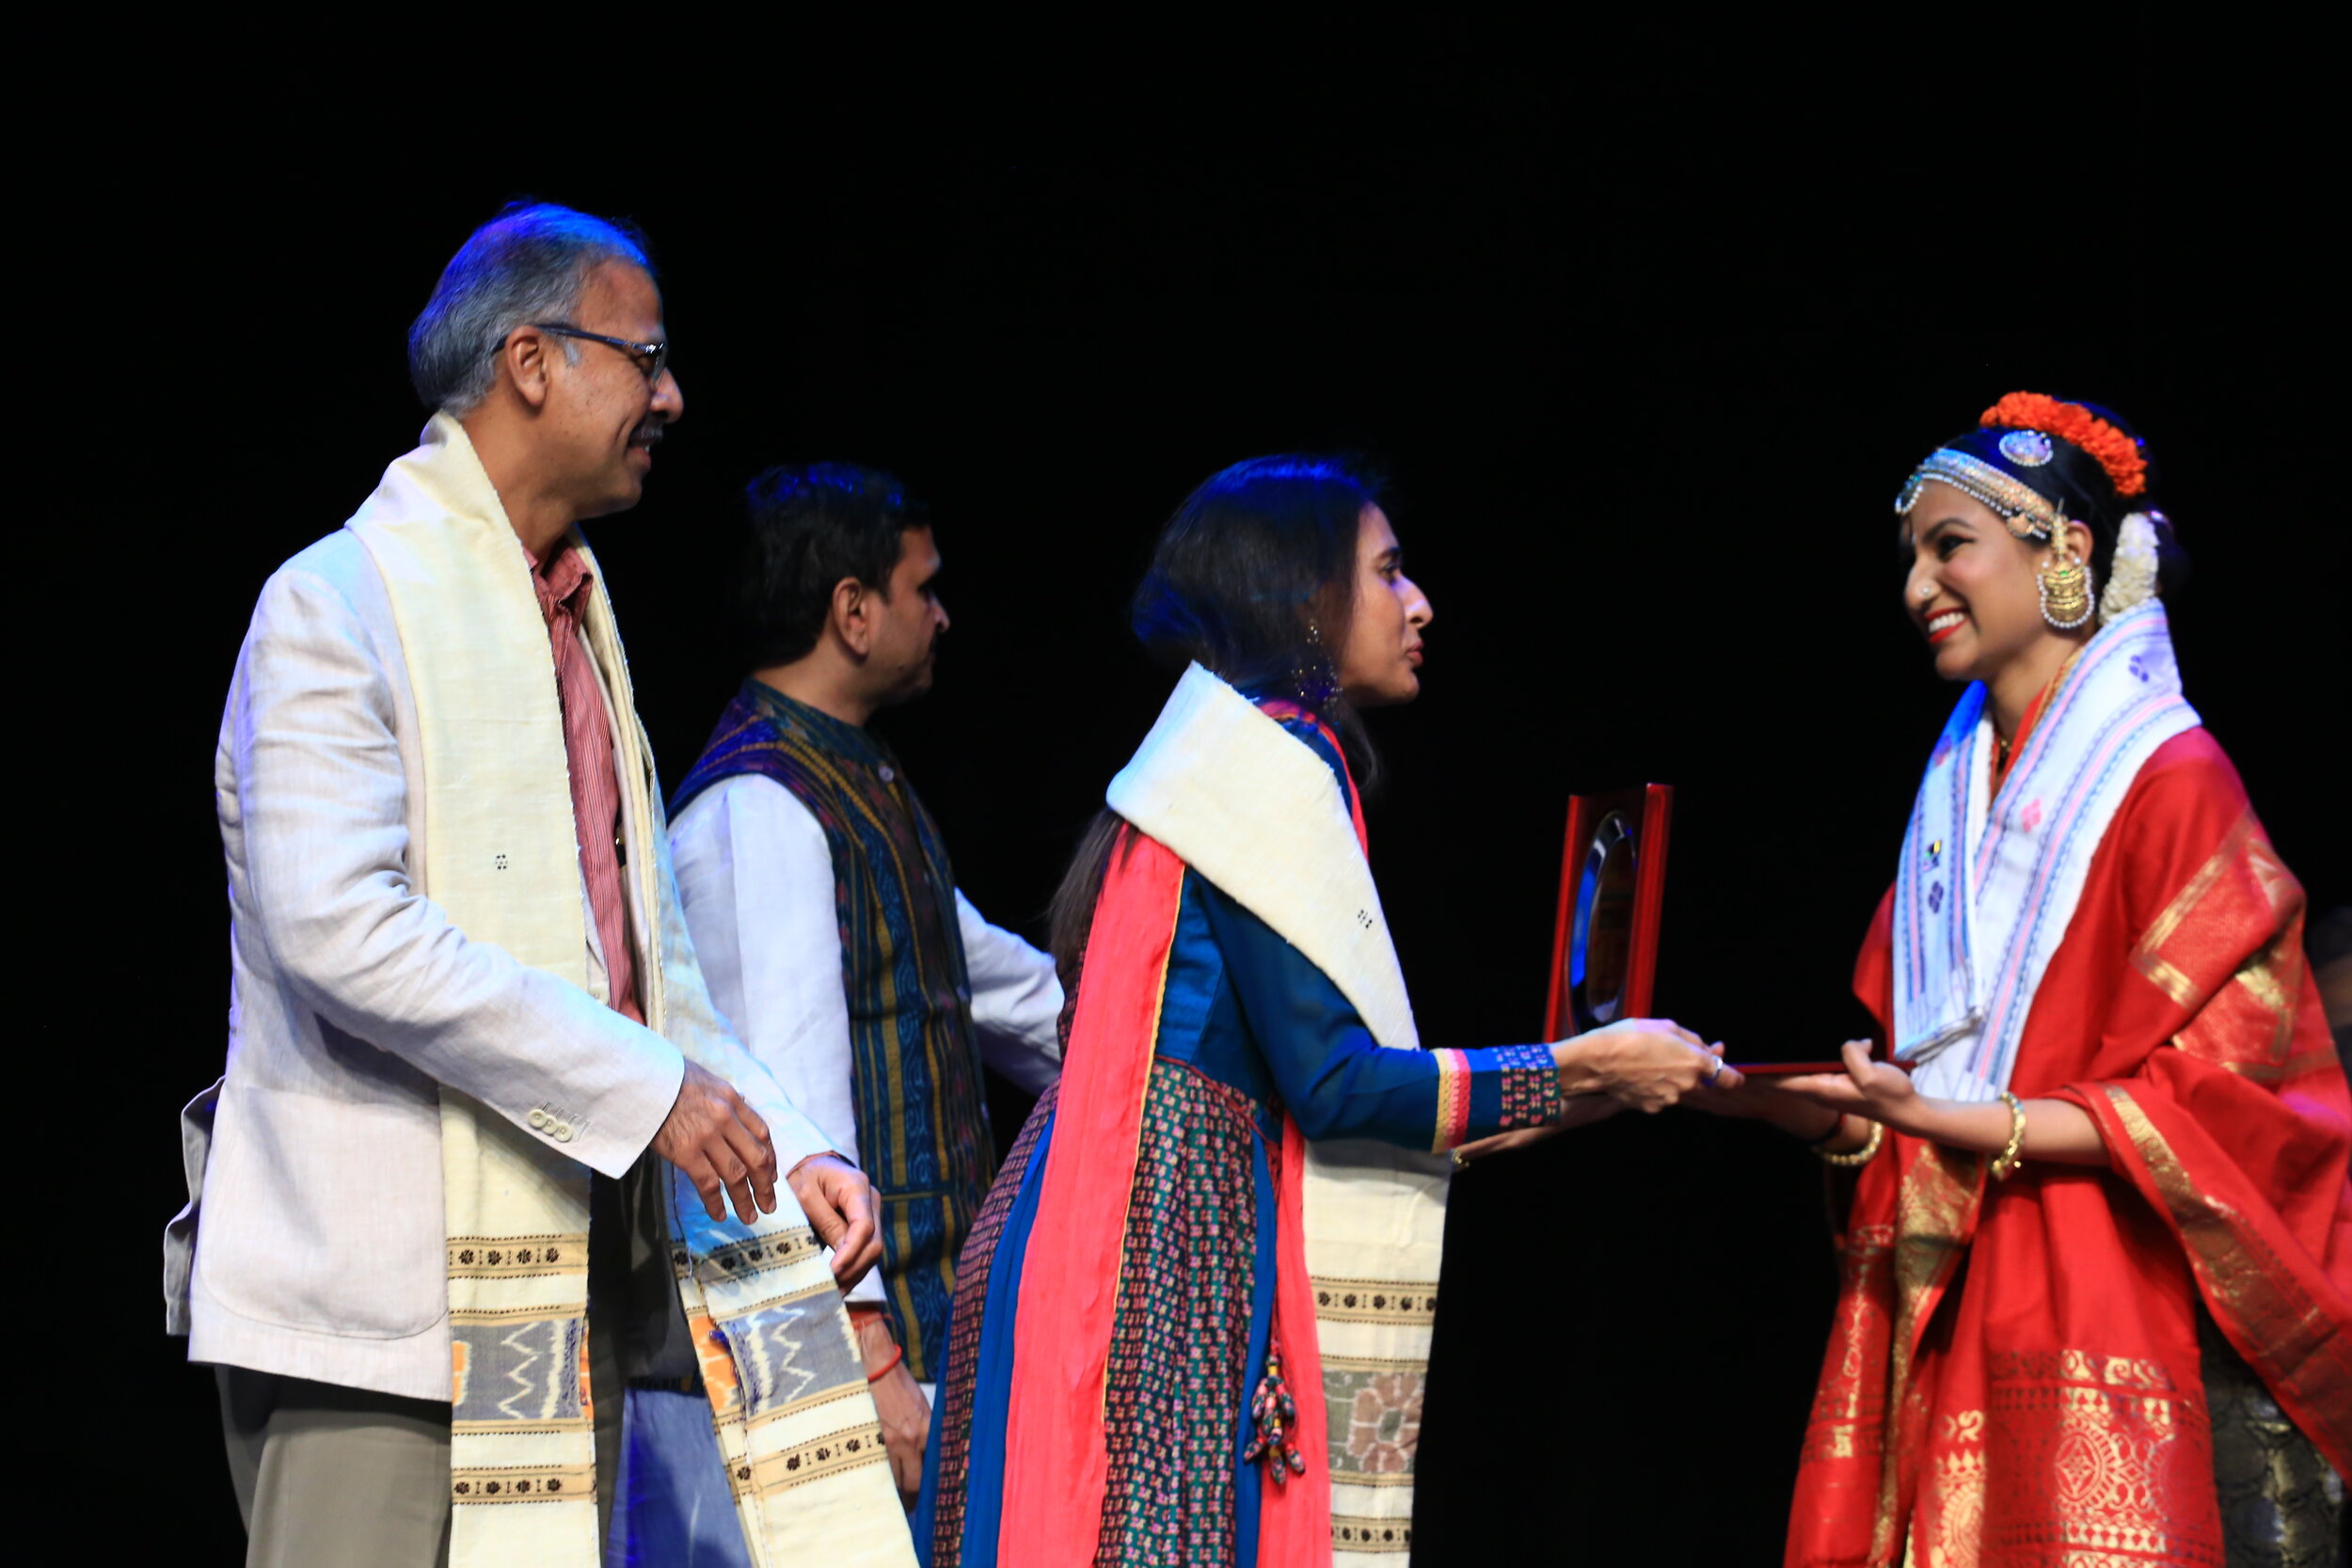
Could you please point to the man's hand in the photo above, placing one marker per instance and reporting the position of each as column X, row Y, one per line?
column 721, row 1144
column 839, row 1203
column 906, row 1417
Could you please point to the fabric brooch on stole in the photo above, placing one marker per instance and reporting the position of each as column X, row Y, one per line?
column 1219, row 787
column 1988, row 882
column 795, row 1425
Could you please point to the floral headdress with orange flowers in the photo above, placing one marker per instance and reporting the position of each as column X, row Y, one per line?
column 2030, row 420
column 2070, row 423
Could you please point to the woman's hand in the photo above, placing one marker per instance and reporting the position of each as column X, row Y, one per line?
column 1647, row 1064
column 1766, row 1099
column 2057, row 1131
column 1879, row 1090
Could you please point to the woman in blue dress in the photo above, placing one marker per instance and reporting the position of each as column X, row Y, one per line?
column 1192, row 1322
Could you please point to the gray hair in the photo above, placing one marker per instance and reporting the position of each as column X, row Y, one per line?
column 527, row 264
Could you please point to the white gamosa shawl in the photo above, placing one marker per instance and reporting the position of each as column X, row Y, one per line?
column 1261, row 816
column 788, row 1394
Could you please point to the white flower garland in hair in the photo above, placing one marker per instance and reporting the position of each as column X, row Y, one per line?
column 2132, row 578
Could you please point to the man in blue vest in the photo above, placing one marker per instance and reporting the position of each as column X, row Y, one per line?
column 827, row 919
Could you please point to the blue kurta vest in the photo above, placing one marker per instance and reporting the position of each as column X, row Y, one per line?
column 922, row 1120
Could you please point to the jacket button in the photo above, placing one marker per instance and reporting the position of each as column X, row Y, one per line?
column 539, row 1121
column 563, row 1132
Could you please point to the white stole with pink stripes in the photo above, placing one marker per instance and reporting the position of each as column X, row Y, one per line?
column 1989, row 882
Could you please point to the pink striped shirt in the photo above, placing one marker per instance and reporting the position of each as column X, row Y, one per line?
column 562, row 584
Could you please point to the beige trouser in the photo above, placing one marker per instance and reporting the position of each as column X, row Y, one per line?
column 330, row 1477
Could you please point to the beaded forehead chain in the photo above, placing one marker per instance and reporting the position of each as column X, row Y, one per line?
column 2029, row 513
column 2031, row 420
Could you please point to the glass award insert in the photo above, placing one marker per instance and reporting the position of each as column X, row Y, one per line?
column 1613, row 879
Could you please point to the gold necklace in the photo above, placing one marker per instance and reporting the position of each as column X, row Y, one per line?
column 2033, row 712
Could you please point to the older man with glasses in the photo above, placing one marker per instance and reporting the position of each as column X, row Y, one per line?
column 469, row 1170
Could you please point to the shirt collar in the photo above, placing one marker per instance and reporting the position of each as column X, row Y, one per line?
column 561, row 575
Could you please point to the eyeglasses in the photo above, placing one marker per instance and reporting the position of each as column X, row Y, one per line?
column 651, row 358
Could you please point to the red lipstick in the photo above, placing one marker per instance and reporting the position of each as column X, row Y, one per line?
column 1951, row 620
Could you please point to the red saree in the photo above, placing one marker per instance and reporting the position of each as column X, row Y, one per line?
column 2014, row 1376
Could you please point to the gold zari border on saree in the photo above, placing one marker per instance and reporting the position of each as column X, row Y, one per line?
column 2287, row 1337
column 1935, row 1216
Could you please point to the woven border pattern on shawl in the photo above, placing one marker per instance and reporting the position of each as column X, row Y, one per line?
column 500, row 857
column 1261, row 816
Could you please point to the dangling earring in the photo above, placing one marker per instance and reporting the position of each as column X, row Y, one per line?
column 1314, row 676
column 2064, row 583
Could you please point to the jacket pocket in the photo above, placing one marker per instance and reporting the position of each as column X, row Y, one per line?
column 324, row 1215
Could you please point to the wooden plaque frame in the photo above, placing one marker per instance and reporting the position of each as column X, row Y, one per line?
column 1648, row 813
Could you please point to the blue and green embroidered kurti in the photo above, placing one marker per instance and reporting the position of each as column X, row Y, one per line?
column 922, row 1126
column 1249, row 1029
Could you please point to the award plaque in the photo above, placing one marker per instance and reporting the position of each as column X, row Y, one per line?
column 1613, row 887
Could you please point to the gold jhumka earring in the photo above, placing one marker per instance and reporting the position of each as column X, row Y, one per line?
column 2064, row 583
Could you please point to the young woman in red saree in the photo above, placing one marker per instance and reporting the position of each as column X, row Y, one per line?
column 2097, row 1269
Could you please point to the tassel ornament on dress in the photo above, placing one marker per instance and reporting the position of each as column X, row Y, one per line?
column 1274, row 1414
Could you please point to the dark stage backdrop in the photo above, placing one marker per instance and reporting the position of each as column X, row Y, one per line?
column 1648, row 352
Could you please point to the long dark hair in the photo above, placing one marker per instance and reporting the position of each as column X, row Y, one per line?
column 1254, row 577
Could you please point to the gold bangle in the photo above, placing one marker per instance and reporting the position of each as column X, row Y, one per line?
column 2007, row 1161
column 1860, row 1156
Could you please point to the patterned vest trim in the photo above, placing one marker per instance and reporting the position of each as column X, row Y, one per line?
column 922, row 1120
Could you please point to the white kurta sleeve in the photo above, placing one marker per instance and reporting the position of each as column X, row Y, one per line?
column 1016, row 999
column 756, row 880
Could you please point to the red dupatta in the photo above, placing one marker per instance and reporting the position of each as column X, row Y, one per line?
column 1058, row 1458
column 2013, row 1373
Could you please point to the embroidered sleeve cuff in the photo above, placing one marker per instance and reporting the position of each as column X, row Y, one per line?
column 1506, row 1087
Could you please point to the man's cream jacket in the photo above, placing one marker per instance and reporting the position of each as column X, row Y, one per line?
column 317, row 1250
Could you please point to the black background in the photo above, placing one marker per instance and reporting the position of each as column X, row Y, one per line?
column 1648, row 332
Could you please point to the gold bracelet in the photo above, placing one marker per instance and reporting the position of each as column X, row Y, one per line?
column 1860, row 1156
column 2008, row 1159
